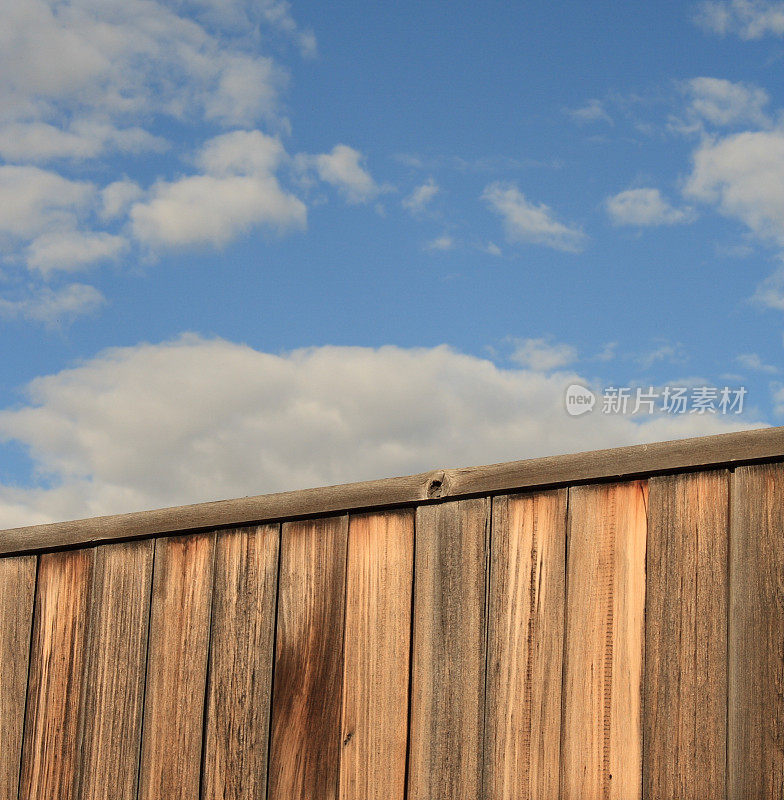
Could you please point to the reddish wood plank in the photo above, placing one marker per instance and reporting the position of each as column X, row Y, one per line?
column 240, row 673
column 525, row 647
column 17, row 595
column 755, row 736
column 448, row 678
column 176, row 668
column 304, row 751
column 57, row 676
column 601, row 752
column 111, row 710
column 686, row 637
column 377, row 643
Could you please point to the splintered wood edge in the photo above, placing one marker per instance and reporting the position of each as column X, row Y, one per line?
column 728, row 449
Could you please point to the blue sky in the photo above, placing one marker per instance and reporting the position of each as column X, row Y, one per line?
column 373, row 209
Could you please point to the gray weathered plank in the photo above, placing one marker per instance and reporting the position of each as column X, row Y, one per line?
column 176, row 668
column 305, row 746
column 17, row 596
column 723, row 449
column 240, row 673
column 379, row 582
column 684, row 726
column 601, row 752
column 448, row 669
column 755, row 735
column 525, row 646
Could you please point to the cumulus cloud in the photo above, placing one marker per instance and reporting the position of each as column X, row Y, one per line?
column 753, row 362
column 73, row 250
column 643, row 208
column 237, row 191
column 724, row 103
column 54, row 306
column 529, row 222
column 743, row 175
column 421, row 197
column 749, row 19
column 343, row 168
column 770, row 292
column 543, row 355
column 197, row 419
column 441, row 243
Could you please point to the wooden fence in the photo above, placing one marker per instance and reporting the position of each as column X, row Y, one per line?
column 608, row 625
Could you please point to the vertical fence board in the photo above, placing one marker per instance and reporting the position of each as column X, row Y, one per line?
column 57, row 676
column 525, row 647
column 377, row 644
column 304, row 751
column 176, row 667
column 240, row 673
column 111, row 711
column 17, row 590
column 447, row 704
column 605, row 614
column 756, row 635
column 686, row 637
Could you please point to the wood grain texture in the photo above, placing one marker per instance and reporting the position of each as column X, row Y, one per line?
column 686, row 637
column 50, row 760
column 756, row 635
column 113, row 691
column 241, row 655
column 448, row 669
column 684, row 454
column 601, row 750
column 379, row 583
column 17, row 596
column 305, row 746
column 176, row 668
column 525, row 647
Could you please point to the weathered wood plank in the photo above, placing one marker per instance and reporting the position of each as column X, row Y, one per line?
column 377, row 643
column 525, row 647
column 756, row 635
column 50, row 756
column 305, row 746
column 176, row 668
column 723, row 449
column 686, row 638
column 17, row 596
column 112, row 696
column 447, row 703
column 601, row 753
column 240, row 673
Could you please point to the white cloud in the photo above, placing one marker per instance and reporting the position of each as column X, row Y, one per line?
column 441, row 243
column 525, row 221
column 724, row 103
column 749, row 19
column 542, row 355
column 197, row 419
column 40, row 141
column 421, row 197
column 743, row 175
column 237, row 192
column 770, row 292
column 644, row 207
column 117, row 198
column 778, row 400
column 592, row 111
column 753, row 362
column 34, row 201
column 54, row 307
column 664, row 352
column 343, row 168
column 73, row 250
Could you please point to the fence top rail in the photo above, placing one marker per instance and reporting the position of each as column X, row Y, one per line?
column 723, row 450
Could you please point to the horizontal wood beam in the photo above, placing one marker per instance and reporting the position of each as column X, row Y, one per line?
column 728, row 449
